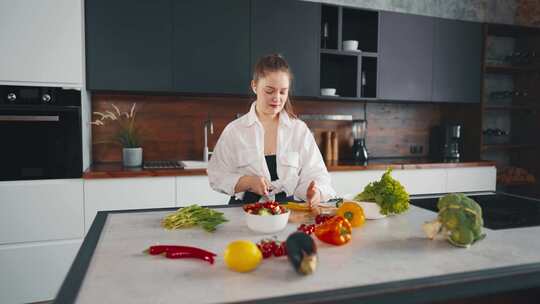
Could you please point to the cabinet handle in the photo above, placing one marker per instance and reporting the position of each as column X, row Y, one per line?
column 29, row 118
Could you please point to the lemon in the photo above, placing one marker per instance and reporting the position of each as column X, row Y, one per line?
column 242, row 256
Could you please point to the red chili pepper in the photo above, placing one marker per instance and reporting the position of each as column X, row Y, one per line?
column 160, row 249
column 190, row 254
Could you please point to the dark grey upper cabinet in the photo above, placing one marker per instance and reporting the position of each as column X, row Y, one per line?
column 290, row 28
column 128, row 45
column 457, row 61
column 211, row 46
column 405, row 57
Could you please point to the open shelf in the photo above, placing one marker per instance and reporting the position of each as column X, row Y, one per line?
column 349, row 53
column 368, row 77
column 340, row 72
column 511, row 108
column 511, row 30
column 510, row 69
column 352, row 73
column 361, row 25
column 508, row 146
column 511, row 100
column 525, row 189
column 330, row 26
column 511, row 184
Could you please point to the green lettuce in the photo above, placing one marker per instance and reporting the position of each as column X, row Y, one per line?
column 388, row 193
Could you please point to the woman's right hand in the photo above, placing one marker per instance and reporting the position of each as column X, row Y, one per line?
column 255, row 184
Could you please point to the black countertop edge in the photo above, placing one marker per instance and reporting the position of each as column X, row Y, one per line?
column 72, row 283
column 426, row 290
column 423, row 290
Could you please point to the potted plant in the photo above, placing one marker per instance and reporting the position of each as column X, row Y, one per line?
column 127, row 134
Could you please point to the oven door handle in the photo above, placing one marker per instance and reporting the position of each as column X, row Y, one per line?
column 31, row 118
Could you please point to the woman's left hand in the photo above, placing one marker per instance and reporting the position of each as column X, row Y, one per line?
column 313, row 196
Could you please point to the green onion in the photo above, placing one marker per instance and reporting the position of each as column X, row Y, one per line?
column 194, row 215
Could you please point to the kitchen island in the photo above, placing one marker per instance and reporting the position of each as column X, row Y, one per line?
column 387, row 261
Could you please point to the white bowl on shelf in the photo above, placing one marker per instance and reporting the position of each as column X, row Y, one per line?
column 350, row 45
column 328, row 92
column 267, row 223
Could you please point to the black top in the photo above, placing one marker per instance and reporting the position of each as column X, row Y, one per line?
column 250, row 197
column 271, row 162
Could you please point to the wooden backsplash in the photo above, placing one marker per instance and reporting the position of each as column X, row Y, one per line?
column 173, row 125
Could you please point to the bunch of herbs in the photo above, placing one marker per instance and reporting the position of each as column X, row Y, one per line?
column 194, row 215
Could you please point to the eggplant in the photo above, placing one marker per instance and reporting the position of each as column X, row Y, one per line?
column 302, row 252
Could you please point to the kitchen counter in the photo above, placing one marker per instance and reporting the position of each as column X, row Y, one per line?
column 388, row 261
column 116, row 170
column 405, row 163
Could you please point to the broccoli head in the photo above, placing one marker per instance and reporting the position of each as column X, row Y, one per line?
column 388, row 193
column 459, row 219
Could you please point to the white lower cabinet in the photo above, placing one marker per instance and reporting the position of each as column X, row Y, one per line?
column 41, row 210
column 421, row 181
column 41, row 230
column 127, row 193
column 33, row 272
column 472, row 179
column 353, row 182
column 196, row 190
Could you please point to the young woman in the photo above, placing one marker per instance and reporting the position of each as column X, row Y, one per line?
column 269, row 152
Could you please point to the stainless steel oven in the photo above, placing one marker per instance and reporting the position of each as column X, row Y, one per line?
column 40, row 133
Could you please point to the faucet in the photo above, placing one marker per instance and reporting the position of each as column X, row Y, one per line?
column 207, row 125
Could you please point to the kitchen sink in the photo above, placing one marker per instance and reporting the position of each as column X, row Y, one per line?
column 194, row 164
column 175, row 164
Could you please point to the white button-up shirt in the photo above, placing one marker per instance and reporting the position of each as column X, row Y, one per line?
column 240, row 151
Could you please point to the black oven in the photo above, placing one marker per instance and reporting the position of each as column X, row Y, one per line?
column 40, row 133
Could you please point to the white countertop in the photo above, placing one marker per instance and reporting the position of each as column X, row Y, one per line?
column 390, row 249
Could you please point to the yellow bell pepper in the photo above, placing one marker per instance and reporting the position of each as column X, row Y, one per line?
column 297, row 206
column 353, row 213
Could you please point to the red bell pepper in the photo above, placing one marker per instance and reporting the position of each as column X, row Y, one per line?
column 336, row 231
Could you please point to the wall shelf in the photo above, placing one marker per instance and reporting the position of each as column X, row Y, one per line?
column 510, row 69
column 511, row 97
column 349, row 53
column 511, row 108
column 508, row 146
column 352, row 73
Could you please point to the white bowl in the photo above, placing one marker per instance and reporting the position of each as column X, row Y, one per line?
column 350, row 45
column 328, row 91
column 372, row 211
column 267, row 223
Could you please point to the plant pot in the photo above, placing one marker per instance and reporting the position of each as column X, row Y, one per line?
column 132, row 157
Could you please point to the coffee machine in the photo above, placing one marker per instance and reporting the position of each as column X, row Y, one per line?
column 359, row 149
column 451, row 142
column 445, row 142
